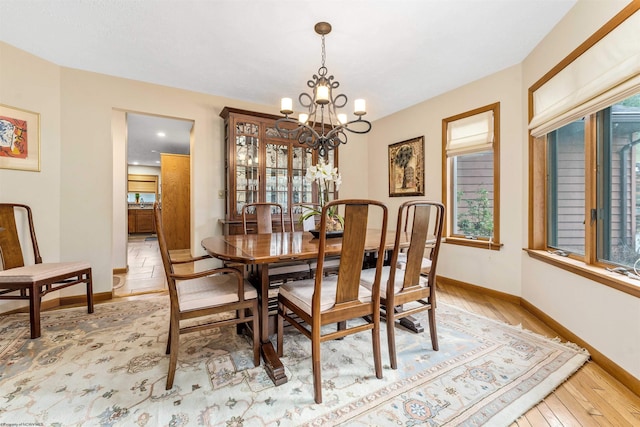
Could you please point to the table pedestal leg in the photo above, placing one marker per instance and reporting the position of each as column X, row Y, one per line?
column 409, row 322
column 272, row 362
column 412, row 324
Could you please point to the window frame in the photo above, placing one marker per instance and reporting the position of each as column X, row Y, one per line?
column 448, row 195
column 586, row 265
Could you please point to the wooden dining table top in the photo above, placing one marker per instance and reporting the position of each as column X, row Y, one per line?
column 281, row 246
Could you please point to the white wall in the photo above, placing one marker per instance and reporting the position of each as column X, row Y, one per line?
column 498, row 270
column 32, row 84
column 119, row 205
column 607, row 319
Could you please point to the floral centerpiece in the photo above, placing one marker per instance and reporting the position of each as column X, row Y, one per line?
column 322, row 174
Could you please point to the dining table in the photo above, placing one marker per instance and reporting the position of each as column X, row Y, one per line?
column 261, row 250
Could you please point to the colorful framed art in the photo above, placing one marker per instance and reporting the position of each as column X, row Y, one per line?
column 19, row 139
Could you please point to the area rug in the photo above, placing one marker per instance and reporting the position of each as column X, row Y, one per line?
column 109, row 368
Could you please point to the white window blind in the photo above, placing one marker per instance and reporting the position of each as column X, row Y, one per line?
column 606, row 73
column 471, row 134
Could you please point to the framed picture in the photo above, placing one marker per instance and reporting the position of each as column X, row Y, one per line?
column 406, row 168
column 19, row 139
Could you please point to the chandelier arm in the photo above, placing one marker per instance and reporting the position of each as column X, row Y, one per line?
column 360, row 120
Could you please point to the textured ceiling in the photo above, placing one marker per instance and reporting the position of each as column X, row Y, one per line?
column 393, row 53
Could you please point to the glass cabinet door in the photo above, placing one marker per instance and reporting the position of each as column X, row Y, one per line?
column 301, row 191
column 277, row 174
column 247, row 166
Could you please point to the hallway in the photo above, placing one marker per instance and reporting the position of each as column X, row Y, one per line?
column 146, row 273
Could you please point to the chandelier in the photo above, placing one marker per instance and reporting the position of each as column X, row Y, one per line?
column 322, row 127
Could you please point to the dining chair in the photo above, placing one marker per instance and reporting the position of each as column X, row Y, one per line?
column 331, row 263
column 310, row 304
column 265, row 213
column 32, row 282
column 402, row 254
column 201, row 293
column 402, row 285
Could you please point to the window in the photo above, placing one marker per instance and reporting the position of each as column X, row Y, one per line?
column 584, row 157
column 471, row 172
column 615, row 210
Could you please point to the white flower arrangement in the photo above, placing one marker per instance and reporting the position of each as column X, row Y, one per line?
column 323, row 175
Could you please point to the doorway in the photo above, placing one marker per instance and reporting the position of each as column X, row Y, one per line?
column 148, row 138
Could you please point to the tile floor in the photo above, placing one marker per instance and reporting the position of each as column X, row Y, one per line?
column 146, row 273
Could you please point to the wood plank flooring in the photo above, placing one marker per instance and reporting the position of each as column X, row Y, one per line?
column 591, row 397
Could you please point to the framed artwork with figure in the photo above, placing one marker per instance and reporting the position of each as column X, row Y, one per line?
column 406, row 168
column 19, row 139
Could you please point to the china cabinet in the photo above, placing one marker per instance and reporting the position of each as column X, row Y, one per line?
column 263, row 165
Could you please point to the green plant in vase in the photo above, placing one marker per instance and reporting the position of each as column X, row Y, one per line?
column 323, row 175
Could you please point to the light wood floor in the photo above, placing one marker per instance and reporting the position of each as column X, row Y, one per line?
column 591, row 397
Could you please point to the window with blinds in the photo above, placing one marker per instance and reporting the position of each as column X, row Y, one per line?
column 471, row 165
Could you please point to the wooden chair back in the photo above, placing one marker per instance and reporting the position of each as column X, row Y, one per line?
column 164, row 252
column 424, row 220
column 264, row 217
column 356, row 220
column 10, row 247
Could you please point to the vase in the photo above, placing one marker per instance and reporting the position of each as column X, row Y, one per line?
column 333, row 224
column 334, row 227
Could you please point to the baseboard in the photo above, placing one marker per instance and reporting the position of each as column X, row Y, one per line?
column 82, row 299
column 485, row 291
column 124, row 270
column 61, row 302
column 628, row 380
column 620, row 374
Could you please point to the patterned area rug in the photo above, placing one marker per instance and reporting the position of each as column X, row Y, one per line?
column 109, row 368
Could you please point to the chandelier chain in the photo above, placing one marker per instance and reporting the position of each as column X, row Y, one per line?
column 324, row 53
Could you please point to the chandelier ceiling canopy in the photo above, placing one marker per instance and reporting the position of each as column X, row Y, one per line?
column 322, row 127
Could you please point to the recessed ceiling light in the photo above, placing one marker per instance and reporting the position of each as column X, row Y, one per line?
column 135, row 163
column 161, row 134
column 157, row 161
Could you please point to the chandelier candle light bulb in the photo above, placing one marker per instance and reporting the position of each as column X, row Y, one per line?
column 360, row 107
column 322, row 95
column 286, row 106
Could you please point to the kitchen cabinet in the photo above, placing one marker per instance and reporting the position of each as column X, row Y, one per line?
column 262, row 165
column 141, row 221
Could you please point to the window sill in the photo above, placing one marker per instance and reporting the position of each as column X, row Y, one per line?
column 597, row 274
column 474, row 243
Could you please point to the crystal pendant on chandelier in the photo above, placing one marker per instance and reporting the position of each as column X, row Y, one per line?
column 322, row 127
